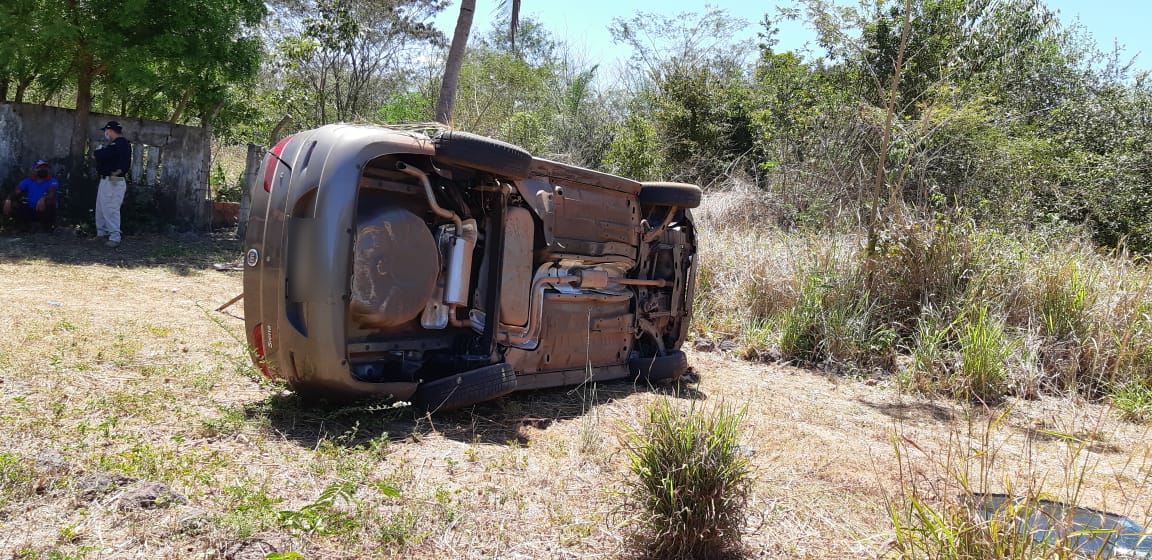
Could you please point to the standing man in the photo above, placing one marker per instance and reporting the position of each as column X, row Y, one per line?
column 112, row 163
column 38, row 192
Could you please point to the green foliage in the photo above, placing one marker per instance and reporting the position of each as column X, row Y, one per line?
column 495, row 85
column 693, row 86
column 527, row 130
column 692, row 480
column 223, row 189
column 943, row 509
column 345, row 60
column 954, row 531
column 985, row 349
column 932, row 357
column 1134, row 400
column 977, row 314
column 406, row 108
column 250, row 509
column 801, row 335
column 324, row 517
column 1064, row 298
column 287, row 555
column 920, row 263
column 149, row 58
column 834, row 321
column 635, row 150
column 17, row 479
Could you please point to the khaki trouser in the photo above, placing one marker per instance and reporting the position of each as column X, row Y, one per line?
column 108, row 200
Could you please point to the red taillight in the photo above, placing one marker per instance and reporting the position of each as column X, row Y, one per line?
column 258, row 347
column 270, row 167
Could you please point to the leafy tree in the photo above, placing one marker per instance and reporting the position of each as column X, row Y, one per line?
column 583, row 123
column 497, row 83
column 691, row 77
column 136, row 51
column 27, row 36
column 405, row 108
column 337, row 60
column 635, row 150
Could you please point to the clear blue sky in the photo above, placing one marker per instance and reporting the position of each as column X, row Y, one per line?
column 583, row 24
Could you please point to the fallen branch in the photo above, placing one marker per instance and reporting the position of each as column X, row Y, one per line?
column 230, row 302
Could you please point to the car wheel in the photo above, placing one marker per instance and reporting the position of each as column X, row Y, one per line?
column 659, row 368
column 464, row 389
column 681, row 195
column 484, row 154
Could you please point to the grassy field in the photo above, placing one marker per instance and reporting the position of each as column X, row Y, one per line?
column 133, row 426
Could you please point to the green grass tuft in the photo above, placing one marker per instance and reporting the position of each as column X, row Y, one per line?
column 691, row 480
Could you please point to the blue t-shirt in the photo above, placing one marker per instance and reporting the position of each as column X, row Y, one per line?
column 37, row 188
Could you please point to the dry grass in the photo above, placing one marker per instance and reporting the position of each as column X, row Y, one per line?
column 112, row 361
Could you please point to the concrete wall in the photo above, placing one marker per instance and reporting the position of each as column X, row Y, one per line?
column 168, row 184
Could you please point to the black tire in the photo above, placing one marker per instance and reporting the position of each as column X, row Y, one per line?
column 483, row 154
column 681, row 195
column 659, row 368
column 464, row 389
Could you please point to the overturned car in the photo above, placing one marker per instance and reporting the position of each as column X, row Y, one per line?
column 450, row 269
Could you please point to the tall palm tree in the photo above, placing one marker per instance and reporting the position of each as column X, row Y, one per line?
column 447, row 100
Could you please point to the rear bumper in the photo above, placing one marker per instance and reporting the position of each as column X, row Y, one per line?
column 298, row 248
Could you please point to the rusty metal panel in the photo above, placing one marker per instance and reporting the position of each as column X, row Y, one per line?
column 579, row 330
column 516, row 276
column 594, row 221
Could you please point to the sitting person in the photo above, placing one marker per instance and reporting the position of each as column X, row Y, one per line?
column 35, row 199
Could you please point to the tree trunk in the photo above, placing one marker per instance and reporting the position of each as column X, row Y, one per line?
column 513, row 24
column 22, row 88
column 183, row 104
column 879, row 179
column 447, row 100
column 87, row 71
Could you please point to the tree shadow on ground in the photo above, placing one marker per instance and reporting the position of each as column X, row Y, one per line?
column 181, row 253
column 502, row 421
column 915, row 410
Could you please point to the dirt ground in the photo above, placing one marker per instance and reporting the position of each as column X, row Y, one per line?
column 133, row 426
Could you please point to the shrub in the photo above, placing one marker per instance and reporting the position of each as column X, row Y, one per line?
column 691, row 481
column 225, row 190
column 919, row 263
column 1134, row 401
column 980, row 313
column 1064, row 298
column 932, row 358
column 985, row 349
column 800, row 332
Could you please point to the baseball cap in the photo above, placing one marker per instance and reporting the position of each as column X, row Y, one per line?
column 113, row 125
column 38, row 163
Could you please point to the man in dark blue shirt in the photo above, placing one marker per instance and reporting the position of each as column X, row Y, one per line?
column 39, row 193
column 112, row 163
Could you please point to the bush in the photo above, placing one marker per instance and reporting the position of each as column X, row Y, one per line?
column 224, row 190
column 691, row 481
column 980, row 314
column 918, row 263
column 985, row 349
column 1134, row 401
